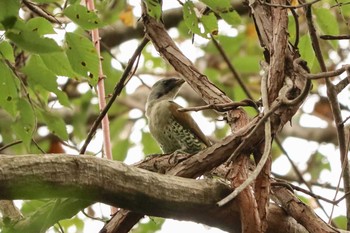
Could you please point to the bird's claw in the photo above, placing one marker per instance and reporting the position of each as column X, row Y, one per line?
column 173, row 157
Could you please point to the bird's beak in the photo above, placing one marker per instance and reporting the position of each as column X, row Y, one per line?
column 179, row 82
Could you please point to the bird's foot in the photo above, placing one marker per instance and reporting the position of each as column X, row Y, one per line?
column 173, row 159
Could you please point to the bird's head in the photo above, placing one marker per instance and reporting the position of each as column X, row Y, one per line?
column 165, row 89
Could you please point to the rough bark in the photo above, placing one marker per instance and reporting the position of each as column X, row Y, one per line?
column 97, row 180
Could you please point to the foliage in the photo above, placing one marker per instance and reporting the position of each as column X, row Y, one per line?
column 49, row 73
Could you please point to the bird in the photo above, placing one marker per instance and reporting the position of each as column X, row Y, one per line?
column 173, row 130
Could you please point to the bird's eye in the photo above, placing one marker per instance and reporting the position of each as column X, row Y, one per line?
column 169, row 82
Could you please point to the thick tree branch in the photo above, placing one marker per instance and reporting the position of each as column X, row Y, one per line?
column 294, row 206
column 97, row 180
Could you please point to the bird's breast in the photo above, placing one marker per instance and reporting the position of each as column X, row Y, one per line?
column 168, row 132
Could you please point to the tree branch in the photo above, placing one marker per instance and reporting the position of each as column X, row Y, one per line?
column 98, row 180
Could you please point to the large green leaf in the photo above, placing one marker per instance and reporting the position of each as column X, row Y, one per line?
column 149, row 144
column 39, row 75
column 82, row 16
column 82, row 56
column 120, row 149
column 247, row 64
column 340, row 221
column 154, row 8
column 8, row 89
column 224, row 9
column 221, row 5
column 190, row 18
column 112, row 74
column 328, row 23
column 32, row 42
column 120, row 144
column 210, row 23
column 40, row 25
column 306, row 51
column 8, row 9
column 6, row 51
column 59, row 64
column 55, row 124
column 25, row 122
column 231, row 17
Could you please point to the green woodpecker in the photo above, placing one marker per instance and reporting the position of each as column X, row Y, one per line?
column 173, row 130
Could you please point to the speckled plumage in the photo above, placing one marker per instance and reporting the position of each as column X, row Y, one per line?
column 173, row 130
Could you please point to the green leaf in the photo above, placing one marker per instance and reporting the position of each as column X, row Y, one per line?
column 6, row 51
column 153, row 225
column 25, row 122
column 154, row 8
column 39, row 75
column 112, row 74
column 44, row 1
column 120, row 144
column 344, row 7
column 219, row 6
column 8, row 89
column 247, row 64
column 225, row 10
column 55, row 124
column 340, row 222
column 328, row 23
column 59, row 64
column 30, row 206
column 149, row 144
column 316, row 164
column 8, row 9
column 231, row 17
column 210, row 23
column 72, row 222
column 82, row 56
column 40, row 25
column 190, row 18
column 306, row 51
column 120, row 149
column 82, row 16
column 291, row 29
column 32, row 42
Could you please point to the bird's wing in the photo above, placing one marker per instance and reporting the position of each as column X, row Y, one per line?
column 187, row 122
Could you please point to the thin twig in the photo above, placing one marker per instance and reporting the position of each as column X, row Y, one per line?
column 342, row 84
column 91, row 217
column 295, row 16
column 330, row 37
column 332, row 96
column 299, row 175
column 37, row 146
column 10, row 144
column 267, row 148
column 116, row 92
column 295, row 187
column 328, row 74
column 221, row 107
column 232, row 69
column 39, row 11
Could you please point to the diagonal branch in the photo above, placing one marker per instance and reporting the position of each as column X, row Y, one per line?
column 200, row 83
